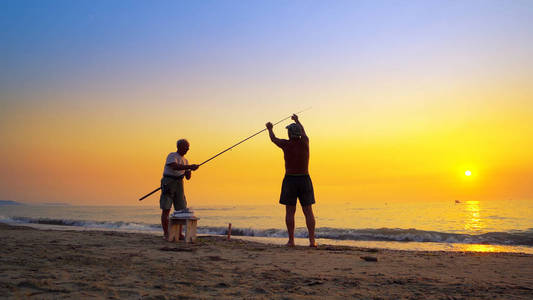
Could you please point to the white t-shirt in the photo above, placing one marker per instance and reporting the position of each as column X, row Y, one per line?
column 174, row 157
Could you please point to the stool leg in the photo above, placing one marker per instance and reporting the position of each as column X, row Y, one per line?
column 188, row 232
column 172, row 229
column 193, row 231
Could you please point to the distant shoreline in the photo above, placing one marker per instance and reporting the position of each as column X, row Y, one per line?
column 11, row 202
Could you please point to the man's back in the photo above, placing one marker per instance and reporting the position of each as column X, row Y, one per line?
column 296, row 154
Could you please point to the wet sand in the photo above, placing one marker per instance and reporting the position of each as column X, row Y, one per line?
column 51, row 264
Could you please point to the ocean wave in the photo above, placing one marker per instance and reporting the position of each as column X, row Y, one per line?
column 83, row 223
column 414, row 235
column 524, row 238
column 515, row 237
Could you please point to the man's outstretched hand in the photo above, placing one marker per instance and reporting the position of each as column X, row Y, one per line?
column 194, row 167
column 295, row 118
column 269, row 126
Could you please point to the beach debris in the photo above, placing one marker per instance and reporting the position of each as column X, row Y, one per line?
column 312, row 282
column 337, row 248
column 229, row 231
column 43, row 285
column 520, row 287
column 369, row 258
column 215, row 258
column 457, row 201
column 396, row 281
column 257, row 249
column 176, row 249
column 222, row 285
column 370, row 250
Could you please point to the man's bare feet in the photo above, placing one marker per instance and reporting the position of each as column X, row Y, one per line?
column 290, row 244
column 313, row 244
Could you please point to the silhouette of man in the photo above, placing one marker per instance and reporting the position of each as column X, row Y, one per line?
column 297, row 182
column 176, row 167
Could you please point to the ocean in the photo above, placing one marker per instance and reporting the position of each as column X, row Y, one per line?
column 486, row 226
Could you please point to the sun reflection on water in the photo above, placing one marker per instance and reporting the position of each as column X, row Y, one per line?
column 490, row 248
column 475, row 224
column 481, row 248
column 473, row 221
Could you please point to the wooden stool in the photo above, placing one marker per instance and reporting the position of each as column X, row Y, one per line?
column 190, row 231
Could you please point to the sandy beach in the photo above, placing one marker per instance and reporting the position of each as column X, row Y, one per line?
column 51, row 264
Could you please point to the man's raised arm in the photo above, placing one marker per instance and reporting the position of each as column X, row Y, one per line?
column 273, row 137
column 295, row 119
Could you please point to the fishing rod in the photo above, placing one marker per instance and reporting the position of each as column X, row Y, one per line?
column 252, row 136
column 232, row 147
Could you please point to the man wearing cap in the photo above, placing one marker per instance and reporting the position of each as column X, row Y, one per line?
column 176, row 167
column 297, row 182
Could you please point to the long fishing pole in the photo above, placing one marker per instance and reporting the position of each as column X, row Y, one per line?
column 157, row 189
column 252, row 136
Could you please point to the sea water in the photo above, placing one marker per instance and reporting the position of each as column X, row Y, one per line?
column 493, row 226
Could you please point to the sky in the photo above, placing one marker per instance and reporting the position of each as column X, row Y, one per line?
column 405, row 97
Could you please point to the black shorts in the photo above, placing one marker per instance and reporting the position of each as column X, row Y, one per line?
column 297, row 186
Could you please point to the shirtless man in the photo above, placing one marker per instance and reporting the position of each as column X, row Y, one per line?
column 297, row 182
column 176, row 167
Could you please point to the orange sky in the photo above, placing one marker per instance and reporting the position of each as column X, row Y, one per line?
column 398, row 113
column 360, row 151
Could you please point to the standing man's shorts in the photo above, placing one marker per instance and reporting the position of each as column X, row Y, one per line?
column 297, row 186
column 172, row 193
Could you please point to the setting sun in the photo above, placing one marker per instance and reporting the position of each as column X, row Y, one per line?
column 468, row 173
